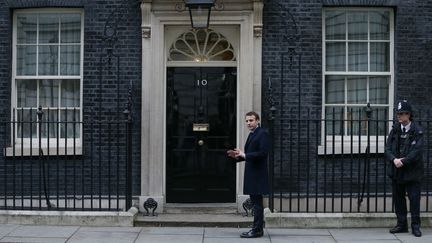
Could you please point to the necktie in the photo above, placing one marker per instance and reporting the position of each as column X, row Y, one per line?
column 248, row 138
column 404, row 130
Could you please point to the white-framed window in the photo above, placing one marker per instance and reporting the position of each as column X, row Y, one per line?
column 357, row 69
column 47, row 71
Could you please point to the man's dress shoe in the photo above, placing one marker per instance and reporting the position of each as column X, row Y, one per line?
column 399, row 229
column 252, row 234
column 416, row 232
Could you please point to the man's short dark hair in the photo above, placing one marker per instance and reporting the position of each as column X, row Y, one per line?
column 253, row 113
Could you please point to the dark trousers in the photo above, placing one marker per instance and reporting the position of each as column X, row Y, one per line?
column 413, row 191
column 258, row 210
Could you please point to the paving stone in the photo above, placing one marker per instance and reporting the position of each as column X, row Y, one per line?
column 44, row 231
column 408, row 237
column 369, row 241
column 263, row 239
column 169, row 238
column 302, row 239
column 173, row 230
column 224, row 232
column 294, row 232
column 111, row 229
column 34, row 239
column 362, row 234
column 6, row 229
column 103, row 237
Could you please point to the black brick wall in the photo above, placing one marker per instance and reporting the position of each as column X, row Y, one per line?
column 301, row 35
column 105, row 88
column 295, row 27
column 413, row 43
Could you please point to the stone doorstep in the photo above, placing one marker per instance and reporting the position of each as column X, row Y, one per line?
column 195, row 220
column 81, row 218
column 336, row 220
column 200, row 208
column 196, row 215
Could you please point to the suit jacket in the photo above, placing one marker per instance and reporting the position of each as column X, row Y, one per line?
column 412, row 152
column 256, row 172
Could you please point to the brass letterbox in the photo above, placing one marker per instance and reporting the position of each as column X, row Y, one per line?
column 201, row 127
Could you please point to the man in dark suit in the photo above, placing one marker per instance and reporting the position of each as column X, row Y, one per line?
column 256, row 173
column 404, row 150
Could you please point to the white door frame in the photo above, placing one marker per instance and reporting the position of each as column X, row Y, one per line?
column 153, row 117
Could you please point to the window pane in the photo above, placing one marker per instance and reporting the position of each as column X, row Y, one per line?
column 380, row 57
column 356, row 90
column 49, row 125
column 335, row 90
column 335, row 25
column 379, row 121
column 379, row 25
column 378, row 90
column 221, row 52
column 70, row 93
column 26, row 28
column 335, row 56
column 26, row 93
column 69, row 127
column 357, row 56
column 26, row 60
column 26, row 123
column 70, row 28
column 182, row 50
column 48, row 60
column 356, row 121
column 70, row 60
column 357, row 25
column 179, row 56
column 48, row 93
column 48, row 28
column 334, row 120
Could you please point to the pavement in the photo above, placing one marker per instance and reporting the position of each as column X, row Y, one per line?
column 41, row 233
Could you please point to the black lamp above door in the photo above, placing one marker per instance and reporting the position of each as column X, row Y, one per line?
column 199, row 11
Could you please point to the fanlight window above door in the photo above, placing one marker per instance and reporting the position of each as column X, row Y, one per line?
column 203, row 45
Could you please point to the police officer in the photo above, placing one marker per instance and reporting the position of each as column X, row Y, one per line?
column 404, row 153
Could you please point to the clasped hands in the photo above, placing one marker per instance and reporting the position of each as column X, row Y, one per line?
column 235, row 153
column 398, row 162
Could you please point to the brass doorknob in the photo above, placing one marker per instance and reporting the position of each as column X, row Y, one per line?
column 200, row 142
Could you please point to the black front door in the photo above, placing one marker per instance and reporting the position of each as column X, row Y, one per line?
column 201, row 126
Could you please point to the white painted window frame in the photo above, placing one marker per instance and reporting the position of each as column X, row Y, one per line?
column 342, row 144
column 29, row 147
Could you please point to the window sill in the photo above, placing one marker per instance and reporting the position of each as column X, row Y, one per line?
column 347, row 148
column 21, row 151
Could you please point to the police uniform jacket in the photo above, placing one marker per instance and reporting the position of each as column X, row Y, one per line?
column 256, row 172
column 408, row 146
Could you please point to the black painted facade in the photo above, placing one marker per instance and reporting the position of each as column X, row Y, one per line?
column 289, row 26
column 292, row 62
column 105, row 96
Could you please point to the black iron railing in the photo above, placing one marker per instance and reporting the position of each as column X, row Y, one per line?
column 315, row 167
column 66, row 165
column 81, row 162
